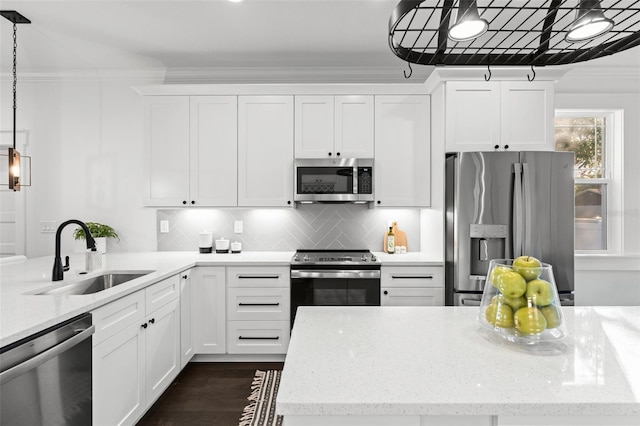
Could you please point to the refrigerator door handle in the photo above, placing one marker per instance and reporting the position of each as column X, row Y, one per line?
column 517, row 210
column 528, row 208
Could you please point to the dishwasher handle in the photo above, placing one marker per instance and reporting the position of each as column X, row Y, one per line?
column 45, row 356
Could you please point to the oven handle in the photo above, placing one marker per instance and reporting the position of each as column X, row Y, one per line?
column 329, row 273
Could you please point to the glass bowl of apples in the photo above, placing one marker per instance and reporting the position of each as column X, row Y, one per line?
column 520, row 301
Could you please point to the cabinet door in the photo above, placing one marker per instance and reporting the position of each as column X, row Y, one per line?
column 354, row 126
column 403, row 151
column 527, row 115
column 119, row 378
column 186, row 333
column 167, row 150
column 399, row 296
column 208, row 285
column 472, row 116
column 162, row 349
column 265, row 151
column 314, row 127
column 214, row 151
column 258, row 337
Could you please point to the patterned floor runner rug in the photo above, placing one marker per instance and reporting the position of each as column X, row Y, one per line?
column 261, row 410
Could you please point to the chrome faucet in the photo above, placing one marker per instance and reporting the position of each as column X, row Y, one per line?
column 57, row 262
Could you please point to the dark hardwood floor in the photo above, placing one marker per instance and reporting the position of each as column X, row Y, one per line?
column 211, row 394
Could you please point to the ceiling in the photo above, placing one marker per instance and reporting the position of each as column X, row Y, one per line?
column 218, row 40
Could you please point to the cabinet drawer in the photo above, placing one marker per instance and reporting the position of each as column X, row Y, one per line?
column 258, row 304
column 258, row 337
column 411, row 276
column 162, row 293
column 118, row 315
column 413, row 296
column 258, row 276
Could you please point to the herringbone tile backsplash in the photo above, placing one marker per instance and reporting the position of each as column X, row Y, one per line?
column 321, row 226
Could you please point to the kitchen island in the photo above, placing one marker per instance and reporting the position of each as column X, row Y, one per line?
column 437, row 366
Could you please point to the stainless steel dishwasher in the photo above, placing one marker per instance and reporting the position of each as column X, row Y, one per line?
column 45, row 379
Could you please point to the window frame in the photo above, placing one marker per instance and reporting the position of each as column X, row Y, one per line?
column 613, row 165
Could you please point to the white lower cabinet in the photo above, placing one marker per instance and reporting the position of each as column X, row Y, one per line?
column 258, row 309
column 135, row 352
column 411, row 286
column 208, row 285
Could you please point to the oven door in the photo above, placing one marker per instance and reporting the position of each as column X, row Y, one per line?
column 334, row 288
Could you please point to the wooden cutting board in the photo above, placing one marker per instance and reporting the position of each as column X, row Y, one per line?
column 400, row 237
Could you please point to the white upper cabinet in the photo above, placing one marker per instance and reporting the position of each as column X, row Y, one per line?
column 334, row 126
column 403, row 151
column 167, row 150
column 214, row 150
column 265, row 151
column 500, row 115
column 191, row 150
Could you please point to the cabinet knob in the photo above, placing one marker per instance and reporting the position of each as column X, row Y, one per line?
column 330, row 154
column 338, row 154
column 385, row 292
column 496, row 147
column 193, row 202
column 506, row 147
column 379, row 202
column 184, row 202
column 184, row 277
column 144, row 325
column 289, row 202
column 152, row 320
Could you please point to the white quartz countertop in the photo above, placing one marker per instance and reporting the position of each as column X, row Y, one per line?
column 424, row 361
column 23, row 313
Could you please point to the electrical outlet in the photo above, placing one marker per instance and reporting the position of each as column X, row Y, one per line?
column 164, row 226
column 47, row 227
column 237, row 227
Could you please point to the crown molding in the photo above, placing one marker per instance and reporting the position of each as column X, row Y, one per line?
column 154, row 75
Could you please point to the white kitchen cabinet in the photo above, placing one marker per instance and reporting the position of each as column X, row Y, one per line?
column 265, row 151
column 334, row 126
column 208, row 310
column 258, row 307
column 191, row 151
column 186, row 319
column 499, row 115
column 403, row 151
column 411, row 286
column 136, row 352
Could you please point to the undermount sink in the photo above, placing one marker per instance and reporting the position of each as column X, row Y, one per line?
column 97, row 283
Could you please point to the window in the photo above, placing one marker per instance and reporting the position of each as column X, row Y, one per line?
column 595, row 139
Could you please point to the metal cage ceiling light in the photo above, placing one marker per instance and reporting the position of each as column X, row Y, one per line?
column 16, row 162
column 519, row 33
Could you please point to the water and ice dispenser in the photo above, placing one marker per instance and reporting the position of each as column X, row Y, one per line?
column 487, row 242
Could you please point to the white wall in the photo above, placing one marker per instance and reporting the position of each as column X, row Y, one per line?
column 85, row 139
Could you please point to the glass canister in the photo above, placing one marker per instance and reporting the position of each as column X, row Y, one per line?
column 520, row 301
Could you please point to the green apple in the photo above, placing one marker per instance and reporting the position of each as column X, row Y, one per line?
column 499, row 315
column 528, row 266
column 529, row 320
column 515, row 302
column 495, row 274
column 539, row 292
column 552, row 315
column 511, row 284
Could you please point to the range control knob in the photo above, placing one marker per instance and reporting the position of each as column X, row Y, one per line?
column 364, row 258
column 373, row 258
column 306, row 258
column 296, row 258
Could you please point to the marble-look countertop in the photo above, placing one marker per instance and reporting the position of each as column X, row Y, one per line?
column 23, row 313
column 422, row 361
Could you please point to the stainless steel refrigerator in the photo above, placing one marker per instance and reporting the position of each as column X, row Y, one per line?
column 501, row 205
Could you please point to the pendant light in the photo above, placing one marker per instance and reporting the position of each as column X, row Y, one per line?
column 15, row 181
column 468, row 24
column 590, row 22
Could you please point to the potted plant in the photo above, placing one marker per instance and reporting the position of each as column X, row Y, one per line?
column 99, row 232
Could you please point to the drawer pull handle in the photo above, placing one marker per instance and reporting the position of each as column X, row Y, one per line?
column 259, row 304
column 260, row 277
column 259, row 338
column 412, row 277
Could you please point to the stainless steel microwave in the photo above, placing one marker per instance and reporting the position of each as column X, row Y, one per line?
column 344, row 180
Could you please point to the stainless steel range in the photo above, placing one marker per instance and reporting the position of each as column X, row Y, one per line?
column 334, row 278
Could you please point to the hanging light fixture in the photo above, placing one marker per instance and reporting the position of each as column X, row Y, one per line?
column 590, row 22
column 468, row 24
column 15, row 181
